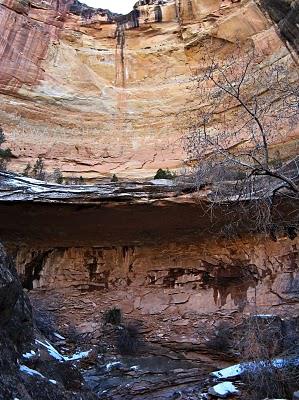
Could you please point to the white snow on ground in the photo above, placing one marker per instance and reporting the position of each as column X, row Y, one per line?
column 229, row 372
column 225, row 388
column 77, row 356
column 111, row 365
column 30, row 371
column 163, row 182
column 280, row 362
column 59, row 336
column 29, row 355
column 264, row 315
column 134, row 368
column 51, row 350
column 238, row 369
column 55, row 354
column 33, row 372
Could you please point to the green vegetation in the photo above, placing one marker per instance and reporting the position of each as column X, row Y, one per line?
column 5, row 154
column 38, row 169
column 114, row 178
column 164, row 174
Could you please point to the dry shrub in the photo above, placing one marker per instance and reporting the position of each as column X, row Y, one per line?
column 128, row 338
column 270, row 363
column 113, row 316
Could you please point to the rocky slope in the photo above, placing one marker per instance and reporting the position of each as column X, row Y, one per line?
column 94, row 93
column 26, row 373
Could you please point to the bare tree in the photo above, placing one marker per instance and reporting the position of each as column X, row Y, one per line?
column 234, row 138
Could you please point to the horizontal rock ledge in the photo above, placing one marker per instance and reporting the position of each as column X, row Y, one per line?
column 113, row 214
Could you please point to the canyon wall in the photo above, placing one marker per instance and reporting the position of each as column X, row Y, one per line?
column 153, row 251
column 179, row 292
column 95, row 94
column 202, row 276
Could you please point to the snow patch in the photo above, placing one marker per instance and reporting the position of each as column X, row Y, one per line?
column 58, row 336
column 224, row 389
column 112, row 365
column 162, row 182
column 55, row 354
column 51, row 350
column 264, row 315
column 77, row 356
column 229, row 372
column 29, row 355
column 53, row 381
column 238, row 369
column 30, row 371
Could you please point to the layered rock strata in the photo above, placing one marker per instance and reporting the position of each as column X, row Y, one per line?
column 155, row 252
column 95, row 93
column 149, row 249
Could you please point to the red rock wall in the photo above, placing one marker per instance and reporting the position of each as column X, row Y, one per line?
column 26, row 31
column 178, row 291
column 205, row 275
column 86, row 110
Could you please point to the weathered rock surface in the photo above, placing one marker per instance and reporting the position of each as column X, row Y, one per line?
column 121, row 214
column 175, row 285
column 147, row 249
column 177, row 295
column 17, row 333
column 95, row 94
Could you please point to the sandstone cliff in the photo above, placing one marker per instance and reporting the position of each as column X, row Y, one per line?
column 94, row 93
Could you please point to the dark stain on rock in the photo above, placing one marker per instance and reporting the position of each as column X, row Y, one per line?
column 233, row 280
column 158, row 14
column 96, row 275
column 92, row 267
column 34, row 268
column 126, row 250
column 285, row 14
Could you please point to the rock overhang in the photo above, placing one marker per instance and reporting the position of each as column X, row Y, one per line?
column 117, row 214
